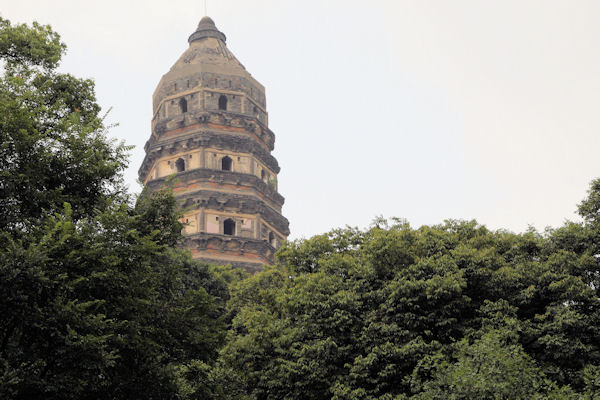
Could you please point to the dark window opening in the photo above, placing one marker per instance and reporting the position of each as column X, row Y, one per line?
column 226, row 163
column 229, row 227
column 180, row 165
column 183, row 105
column 262, row 174
column 222, row 102
column 272, row 239
column 175, row 86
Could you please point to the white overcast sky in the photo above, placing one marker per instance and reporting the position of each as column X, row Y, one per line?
column 424, row 110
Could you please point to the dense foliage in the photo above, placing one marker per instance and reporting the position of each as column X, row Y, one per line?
column 95, row 303
column 450, row 311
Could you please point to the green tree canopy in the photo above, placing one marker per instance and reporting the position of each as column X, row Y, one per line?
column 53, row 143
column 95, row 302
column 448, row 311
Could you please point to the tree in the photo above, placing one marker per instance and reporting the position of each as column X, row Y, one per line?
column 492, row 366
column 53, row 144
column 394, row 312
column 95, row 301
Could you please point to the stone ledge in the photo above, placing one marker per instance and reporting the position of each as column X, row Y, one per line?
column 195, row 140
column 255, row 250
column 238, row 203
column 248, row 124
column 221, row 177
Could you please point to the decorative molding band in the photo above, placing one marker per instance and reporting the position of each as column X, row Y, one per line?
column 237, row 179
column 206, row 139
column 236, row 203
column 239, row 122
column 224, row 246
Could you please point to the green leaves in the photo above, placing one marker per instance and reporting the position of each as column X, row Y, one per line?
column 97, row 307
column 53, row 143
column 450, row 311
column 95, row 303
column 30, row 46
column 493, row 366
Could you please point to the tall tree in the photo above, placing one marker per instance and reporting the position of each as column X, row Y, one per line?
column 95, row 303
column 53, row 143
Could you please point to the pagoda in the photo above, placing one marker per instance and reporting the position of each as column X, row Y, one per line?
column 210, row 139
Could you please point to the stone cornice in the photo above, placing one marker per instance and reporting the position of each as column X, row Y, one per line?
column 222, row 178
column 225, row 244
column 237, row 203
column 205, row 139
column 245, row 123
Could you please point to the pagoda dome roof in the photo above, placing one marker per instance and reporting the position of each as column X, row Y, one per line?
column 207, row 53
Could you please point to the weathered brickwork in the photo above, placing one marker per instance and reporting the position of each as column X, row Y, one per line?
column 210, row 131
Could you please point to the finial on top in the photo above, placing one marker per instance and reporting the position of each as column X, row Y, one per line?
column 206, row 20
column 206, row 28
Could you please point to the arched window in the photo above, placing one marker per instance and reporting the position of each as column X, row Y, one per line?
column 183, row 105
column 180, row 165
column 272, row 239
column 226, row 163
column 262, row 174
column 229, row 227
column 222, row 102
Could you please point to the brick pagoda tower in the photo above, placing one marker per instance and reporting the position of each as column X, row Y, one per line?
column 210, row 129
